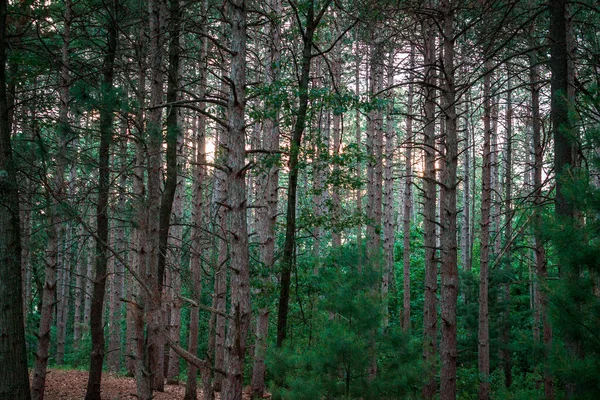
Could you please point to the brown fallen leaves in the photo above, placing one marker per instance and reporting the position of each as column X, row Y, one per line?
column 70, row 385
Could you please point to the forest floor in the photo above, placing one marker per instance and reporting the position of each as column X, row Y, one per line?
column 71, row 385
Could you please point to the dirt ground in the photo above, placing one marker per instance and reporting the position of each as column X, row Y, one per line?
column 70, row 385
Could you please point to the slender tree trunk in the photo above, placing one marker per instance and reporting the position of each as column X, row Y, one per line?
column 505, row 352
column 483, row 349
column 289, row 245
column 336, row 67
column 449, row 270
column 358, row 144
column 237, row 330
column 408, row 203
column 541, row 267
column 106, row 131
column 63, row 286
column 138, row 255
column 267, row 214
column 174, row 253
column 429, row 211
column 118, row 270
column 54, row 196
column 388, row 204
column 466, row 221
column 14, row 383
column 155, row 271
column 199, row 204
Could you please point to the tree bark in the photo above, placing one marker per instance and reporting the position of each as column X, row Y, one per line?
column 14, row 383
column 408, row 201
column 389, row 226
column 153, row 304
column 106, row 131
column 54, row 196
column 449, row 269
column 483, row 349
column 267, row 214
column 429, row 211
column 240, row 310
column 541, row 267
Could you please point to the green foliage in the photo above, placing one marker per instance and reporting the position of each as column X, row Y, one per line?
column 333, row 359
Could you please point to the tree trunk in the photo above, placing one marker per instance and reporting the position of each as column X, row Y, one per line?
column 541, row 267
column 267, row 214
column 54, row 197
column 14, row 383
column 505, row 352
column 449, row 269
column 199, row 204
column 408, row 202
column 483, row 349
column 429, row 211
column 358, row 145
column 155, row 271
column 289, row 246
column 118, row 270
column 237, row 330
column 389, row 226
column 175, row 244
column 106, row 131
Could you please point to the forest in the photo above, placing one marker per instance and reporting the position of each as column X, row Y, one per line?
column 299, row 199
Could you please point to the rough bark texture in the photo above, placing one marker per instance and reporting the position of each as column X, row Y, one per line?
column 505, row 352
column 389, row 220
column 54, row 196
column 118, row 270
column 199, row 204
column 153, row 304
column 408, row 201
column 238, row 324
column 429, row 219
column 14, row 382
column 449, row 269
column 267, row 214
column 483, row 349
column 106, row 131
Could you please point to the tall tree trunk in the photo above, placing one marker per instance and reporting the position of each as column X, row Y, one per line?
column 429, row 211
column 408, row 202
column 541, row 267
column 357, row 134
column 336, row 69
column 465, row 242
column 172, row 170
column 483, row 349
column 155, row 271
column 449, row 269
column 388, row 281
column 289, row 246
column 237, row 330
column 14, row 383
column 118, row 272
column 174, row 258
column 199, row 204
column 505, row 352
column 139, row 254
column 55, row 196
column 267, row 214
column 106, row 131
